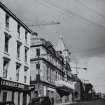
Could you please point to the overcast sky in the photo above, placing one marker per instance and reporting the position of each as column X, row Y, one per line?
column 82, row 27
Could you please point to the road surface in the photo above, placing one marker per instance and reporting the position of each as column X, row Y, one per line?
column 96, row 102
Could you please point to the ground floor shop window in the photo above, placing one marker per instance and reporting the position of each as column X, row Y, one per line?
column 18, row 98
column 24, row 99
column 4, row 96
column 13, row 96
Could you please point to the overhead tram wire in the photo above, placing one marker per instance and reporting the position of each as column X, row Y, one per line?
column 67, row 11
column 55, row 6
column 73, row 14
column 43, row 3
column 81, row 2
column 62, row 11
column 44, row 24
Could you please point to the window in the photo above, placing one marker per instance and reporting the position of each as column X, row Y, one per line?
column 37, row 52
column 4, row 96
column 25, row 74
column 5, row 67
column 47, row 73
column 56, row 76
column 25, row 78
column 26, row 33
column 7, row 21
column 18, row 50
column 26, row 53
column 6, row 43
column 53, row 75
column 38, row 66
column 18, row 29
column 17, row 71
column 12, row 96
column 50, row 75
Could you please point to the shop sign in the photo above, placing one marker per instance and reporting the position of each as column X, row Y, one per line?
column 11, row 84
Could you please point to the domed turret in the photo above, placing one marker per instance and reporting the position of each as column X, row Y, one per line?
column 61, row 47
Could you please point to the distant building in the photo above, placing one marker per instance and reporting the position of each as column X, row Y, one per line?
column 14, row 58
column 48, row 66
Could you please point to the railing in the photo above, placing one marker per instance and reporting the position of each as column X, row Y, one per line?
column 51, row 60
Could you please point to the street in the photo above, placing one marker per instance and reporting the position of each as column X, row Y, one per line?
column 96, row 102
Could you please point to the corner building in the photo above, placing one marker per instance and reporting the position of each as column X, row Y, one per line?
column 48, row 66
column 14, row 58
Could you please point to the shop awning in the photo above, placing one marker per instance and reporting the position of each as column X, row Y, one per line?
column 68, row 85
column 64, row 88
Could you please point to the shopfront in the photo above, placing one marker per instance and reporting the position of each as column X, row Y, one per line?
column 14, row 92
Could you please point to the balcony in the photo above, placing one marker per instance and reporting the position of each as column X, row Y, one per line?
column 51, row 60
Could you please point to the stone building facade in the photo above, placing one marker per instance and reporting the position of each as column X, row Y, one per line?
column 14, row 58
column 49, row 65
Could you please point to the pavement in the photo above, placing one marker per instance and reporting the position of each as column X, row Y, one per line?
column 63, row 104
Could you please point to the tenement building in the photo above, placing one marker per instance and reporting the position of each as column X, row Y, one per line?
column 14, row 58
column 50, row 70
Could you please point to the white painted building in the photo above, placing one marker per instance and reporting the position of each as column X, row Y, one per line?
column 14, row 58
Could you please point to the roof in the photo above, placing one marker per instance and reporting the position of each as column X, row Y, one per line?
column 15, row 17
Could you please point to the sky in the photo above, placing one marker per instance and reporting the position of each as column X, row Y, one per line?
column 82, row 25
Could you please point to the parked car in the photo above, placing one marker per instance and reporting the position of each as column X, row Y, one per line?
column 41, row 101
